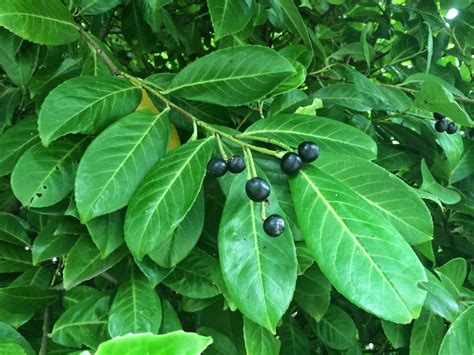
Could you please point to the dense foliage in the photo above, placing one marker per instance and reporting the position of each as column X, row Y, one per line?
column 348, row 122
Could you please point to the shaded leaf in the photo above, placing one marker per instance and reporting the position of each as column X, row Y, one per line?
column 228, row 16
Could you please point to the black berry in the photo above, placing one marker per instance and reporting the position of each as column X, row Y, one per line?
column 452, row 128
column 438, row 116
column 274, row 225
column 308, row 151
column 291, row 163
column 441, row 126
column 236, row 164
column 217, row 167
column 257, row 189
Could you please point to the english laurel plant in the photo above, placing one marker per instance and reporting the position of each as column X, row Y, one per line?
column 236, row 177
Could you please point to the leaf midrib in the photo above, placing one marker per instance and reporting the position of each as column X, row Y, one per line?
column 355, row 240
column 119, row 168
column 9, row 14
column 76, row 114
column 165, row 191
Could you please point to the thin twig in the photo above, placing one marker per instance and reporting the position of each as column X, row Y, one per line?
column 90, row 40
column 44, row 339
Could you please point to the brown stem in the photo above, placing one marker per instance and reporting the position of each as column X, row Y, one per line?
column 90, row 40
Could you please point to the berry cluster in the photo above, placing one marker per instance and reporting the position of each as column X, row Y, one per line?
column 442, row 125
column 291, row 163
column 257, row 189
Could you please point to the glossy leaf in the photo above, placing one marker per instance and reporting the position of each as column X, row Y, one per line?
column 228, row 16
column 45, row 176
column 178, row 342
column 337, row 329
column 9, row 336
column 393, row 198
column 252, row 261
column 427, row 333
column 154, row 272
column 313, row 292
column 458, row 339
column 39, row 277
column 193, row 276
column 259, row 340
column 39, row 21
column 435, row 97
column 397, row 334
column 86, row 104
column 85, row 323
column 294, row 15
column 14, row 258
column 352, row 236
column 94, row 7
column 136, row 308
column 183, row 239
column 12, row 230
column 107, row 232
column 15, row 141
column 83, row 262
column 232, row 76
column 48, row 244
column 165, row 196
column 128, row 149
column 330, row 135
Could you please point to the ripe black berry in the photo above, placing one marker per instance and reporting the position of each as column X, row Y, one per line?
column 274, row 225
column 308, row 151
column 217, row 167
column 452, row 128
column 441, row 126
column 291, row 163
column 257, row 189
column 438, row 116
column 236, row 164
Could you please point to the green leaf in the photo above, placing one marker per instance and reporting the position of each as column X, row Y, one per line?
column 465, row 166
column 107, row 232
column 44, row 176
column 221, row 344
column 354, row 244
column 427, row 333
column 453, row 272
column 40, row 21
column 387, row 193
column 12, row 230
column 165, row 196
column 154, row 272
column 85, row 105
column 85, row 323
column 337, row 329
column 438, row 299
column 171, row 320
column 252, row 261
column 458, row 339
column 330, row 135
column 293, row 340
column 313, row 292
column 83, row 262
column 14, row 258
column 344, row 94
column 294, row 15
column 228, row 16
column 76, row 295
column 178, row 342
column 430, row 185
column 232, row 76
column 397, row 334
column 136, row 307
column 95, row 7
column 136, row 31
column 9, row 336
column 174, row 249
column 434, row 97
column 115, row 163
column 259, row 340
column 15, row 141
column 48, row 244
column 25, row 298
column 193, row 276
column 39, row 277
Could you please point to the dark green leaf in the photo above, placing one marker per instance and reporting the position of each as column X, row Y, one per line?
column 259, row 340
column 228, row 16
column 427, row 333
column 107, row 232
column 12, row 230
column 337, row 329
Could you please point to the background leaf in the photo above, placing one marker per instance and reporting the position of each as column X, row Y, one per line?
column 228, row 16
column 458, row 339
